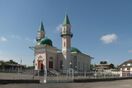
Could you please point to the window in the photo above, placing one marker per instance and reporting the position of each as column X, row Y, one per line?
column 51, row 62
column 128, row 64
column 131, row 69
column 51, row 58
column 79, row 65
column 61, row 64
column 64, row 44
column 123, row 64
column 128, row 68
column 121, row 69
column 125, row 69
column 64, row 31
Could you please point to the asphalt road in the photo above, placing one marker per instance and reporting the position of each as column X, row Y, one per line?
column 109, row 84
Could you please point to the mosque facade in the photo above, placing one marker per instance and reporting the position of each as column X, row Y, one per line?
column 48, row 57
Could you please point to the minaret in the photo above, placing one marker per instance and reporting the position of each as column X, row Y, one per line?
column 41, row 32
column 66, row 43
column 39, row 57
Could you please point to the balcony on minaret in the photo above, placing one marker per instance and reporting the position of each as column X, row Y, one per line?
column 66, row 34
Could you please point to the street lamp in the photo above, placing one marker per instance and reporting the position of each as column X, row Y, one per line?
column 71, row 71
column 45, row 74
column 45, row 69
column 18, row 70
column 33, row 67
column 76, row 68
column 70, row 65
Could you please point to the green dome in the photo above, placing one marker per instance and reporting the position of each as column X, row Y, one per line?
column 73, row 49
column 45, row 41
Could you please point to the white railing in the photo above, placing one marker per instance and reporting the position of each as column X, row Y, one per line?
column 68, row 77
column 88, row 75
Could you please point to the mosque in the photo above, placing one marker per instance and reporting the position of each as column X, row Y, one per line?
column 61, row 60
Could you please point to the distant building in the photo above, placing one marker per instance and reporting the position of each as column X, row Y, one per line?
column 126, row 68
column 47, row 56
column 10, row 66
column 103, row 66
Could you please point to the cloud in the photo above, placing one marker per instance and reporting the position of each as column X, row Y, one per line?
column 15, row 37
column 6, row 58
column 58, row 28
column 109, row 38
column 130, row 51
column 3, row 39
column 30, row 40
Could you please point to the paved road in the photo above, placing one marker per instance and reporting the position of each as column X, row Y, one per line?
column 110, row 84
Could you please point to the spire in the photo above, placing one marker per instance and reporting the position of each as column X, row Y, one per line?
column 41, row 32
column 41, row 27
column 66, row 20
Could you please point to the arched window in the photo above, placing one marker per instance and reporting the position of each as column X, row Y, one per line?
column 61, row 64
column 64, row 31
column 64, row 43
column 51, row 62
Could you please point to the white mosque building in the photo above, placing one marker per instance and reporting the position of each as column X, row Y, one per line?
column 61, row 60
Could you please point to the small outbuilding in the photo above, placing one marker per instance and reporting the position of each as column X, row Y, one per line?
column 126, row 68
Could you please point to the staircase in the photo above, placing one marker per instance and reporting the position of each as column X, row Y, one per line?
column 49, row 73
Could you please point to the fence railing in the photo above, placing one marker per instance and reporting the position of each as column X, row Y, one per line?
column 87, row 75
column 68, row 77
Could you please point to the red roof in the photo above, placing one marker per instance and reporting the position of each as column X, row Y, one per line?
column 128, row 61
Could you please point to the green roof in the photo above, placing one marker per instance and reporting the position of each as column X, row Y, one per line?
column 41, row 27
column 73, row 49
column 66, row 20
column 45, row 41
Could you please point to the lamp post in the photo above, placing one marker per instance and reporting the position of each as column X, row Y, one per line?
column 20, row 68
column 76, row 69
column 45, row 74
column 71, row 71
column 33, row 67
column 62, row 66
column 45, row 69
column 18, row 71
column 70, row 64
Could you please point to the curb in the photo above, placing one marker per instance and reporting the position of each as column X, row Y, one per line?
column 10, row 81
column 100, row 79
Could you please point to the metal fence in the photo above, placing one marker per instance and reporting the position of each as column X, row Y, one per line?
column 84, row 75
column 68, row 77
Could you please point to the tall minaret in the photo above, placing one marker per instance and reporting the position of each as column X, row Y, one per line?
column 41, row 32
column 66, row 42
column 39, row 58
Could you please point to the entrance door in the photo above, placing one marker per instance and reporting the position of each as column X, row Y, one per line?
column 40, row 64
